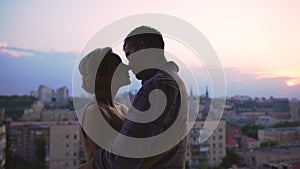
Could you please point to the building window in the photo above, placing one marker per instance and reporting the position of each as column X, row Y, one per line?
column 67, row 136
column 74, row 154
column 220, row 137
column 214, row 137
column 220, row 130
column 75, row 163
column 67, row 154
column 75, row 136
column 214, row 145
column 67, row 145
column 220, row 145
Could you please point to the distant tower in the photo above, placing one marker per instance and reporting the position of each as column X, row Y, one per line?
column 204, row 109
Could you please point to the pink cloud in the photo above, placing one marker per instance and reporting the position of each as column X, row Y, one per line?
column 11, row 52
column 3, row 45
column 15, row 53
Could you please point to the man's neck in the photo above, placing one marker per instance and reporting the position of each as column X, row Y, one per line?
column 145, row 75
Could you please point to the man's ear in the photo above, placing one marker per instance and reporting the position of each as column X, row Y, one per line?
column 141, row 44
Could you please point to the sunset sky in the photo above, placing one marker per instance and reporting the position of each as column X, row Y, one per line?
column 257, row 42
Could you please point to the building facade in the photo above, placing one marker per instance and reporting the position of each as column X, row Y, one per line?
column 281, row 105
column 46, row 95
column 2, row 146
column 280, row 135
column 210, row 151
column 62, row 142
column 62, row 97
column 23, row 138
column 295, row 111
column 64, row 148
column 271, row 157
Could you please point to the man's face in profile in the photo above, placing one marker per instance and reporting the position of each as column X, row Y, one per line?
column 133, row 57
column 139, row 57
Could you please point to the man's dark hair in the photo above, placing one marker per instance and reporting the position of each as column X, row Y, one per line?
column 152, row 37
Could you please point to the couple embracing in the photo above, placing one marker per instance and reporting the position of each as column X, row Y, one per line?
column 144, row 49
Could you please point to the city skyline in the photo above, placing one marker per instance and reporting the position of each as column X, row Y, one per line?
column 257, row 42
column 126, row 92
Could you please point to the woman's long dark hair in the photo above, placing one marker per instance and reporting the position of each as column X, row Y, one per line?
column 103, row 89
column 103, row 80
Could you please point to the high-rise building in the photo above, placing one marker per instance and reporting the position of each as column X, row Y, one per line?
column 281, row 105
column 62, row 142
column 62, row 96
column 2, row 115
column 24, row 137
column 2, row 139
column 64, row 149
column 46, row 95
column 295, row 110
column 211, row 151
column 50, row 98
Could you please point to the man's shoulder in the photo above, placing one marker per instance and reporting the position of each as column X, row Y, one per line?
column 162, row 77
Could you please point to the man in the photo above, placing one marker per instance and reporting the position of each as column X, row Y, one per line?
column 144, row 48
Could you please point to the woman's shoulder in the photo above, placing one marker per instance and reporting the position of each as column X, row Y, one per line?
column 91, row 107
column 121, row 107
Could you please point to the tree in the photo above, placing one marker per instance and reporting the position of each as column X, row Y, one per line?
column 15, row 105
column 268, row 144
column 202, row 165
column 287, row 124
column 231, row 158
column 251, row 130
column 41, row 149
column 187, row 166
column 16, row 162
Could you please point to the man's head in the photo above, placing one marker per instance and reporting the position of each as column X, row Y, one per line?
column 144, row 47
column 144, row 37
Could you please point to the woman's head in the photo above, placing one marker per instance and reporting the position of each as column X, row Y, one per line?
column 97, row 70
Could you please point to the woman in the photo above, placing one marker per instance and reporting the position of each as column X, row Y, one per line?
column 97, row 70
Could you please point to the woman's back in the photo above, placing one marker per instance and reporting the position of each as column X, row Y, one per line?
column 113, row 116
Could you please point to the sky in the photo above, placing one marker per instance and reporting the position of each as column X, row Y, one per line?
column 257, row 41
